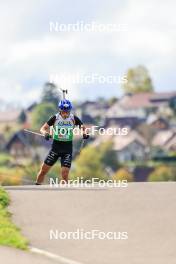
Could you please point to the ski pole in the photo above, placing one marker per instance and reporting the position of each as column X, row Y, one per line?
column 64, row 92
column 82, row 145
column 32, row 132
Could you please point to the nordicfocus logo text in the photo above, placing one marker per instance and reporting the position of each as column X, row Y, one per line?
column 81, row 234
column 92, row 131
column 81, row 26
column 89, row 183
column 91, row 78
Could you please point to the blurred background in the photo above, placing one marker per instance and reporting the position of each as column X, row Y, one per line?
column 134, row 86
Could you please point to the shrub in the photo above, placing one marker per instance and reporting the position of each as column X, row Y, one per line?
column 162, row 173
column 123, row 174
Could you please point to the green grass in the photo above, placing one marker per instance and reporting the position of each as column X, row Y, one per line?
column 9, row 234
column 5, row 159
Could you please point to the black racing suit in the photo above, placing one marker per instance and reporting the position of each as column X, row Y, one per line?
column 61, row 149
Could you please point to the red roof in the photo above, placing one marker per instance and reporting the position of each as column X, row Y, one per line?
column 9, row 116
column 144, row 100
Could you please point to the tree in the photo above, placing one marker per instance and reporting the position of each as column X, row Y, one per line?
column 22, row 117
column 50, row 94
column 172, row 104
column 138, row 81
column 123, row 174
column 92, row 161
column 162, row 173
column 112, row 100
column 88, row 165
column 108, row 157
column 41, row 114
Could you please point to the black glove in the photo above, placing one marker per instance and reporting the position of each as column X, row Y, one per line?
column 85, row 136
column 47, row 136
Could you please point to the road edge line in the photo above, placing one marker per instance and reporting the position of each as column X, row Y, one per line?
column 53, row 256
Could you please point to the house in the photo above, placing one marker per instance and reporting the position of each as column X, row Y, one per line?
column 165, row 139
column 171, row 144
column 87, row 119
column 157, row 122
column 139, row 101
column 24, row 145
column 127, row 121
column 92, row 108
column 9, row 118
column 128, row 147
column 134, row 109
column 121, row 116
column 119, row 110
column 163, row 99
column 148, row 102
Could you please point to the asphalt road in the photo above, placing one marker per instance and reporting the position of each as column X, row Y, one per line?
column 146, row 211
column 15, row 256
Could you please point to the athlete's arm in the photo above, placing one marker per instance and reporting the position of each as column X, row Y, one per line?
column 79, row 123
column 85, row 135
column 45, row 128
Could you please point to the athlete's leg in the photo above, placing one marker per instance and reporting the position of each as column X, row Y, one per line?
column 65, row 173
column 43, row 171
column 66, row 160
column 51, row 158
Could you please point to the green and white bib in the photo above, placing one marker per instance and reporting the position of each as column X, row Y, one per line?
column 63, row 128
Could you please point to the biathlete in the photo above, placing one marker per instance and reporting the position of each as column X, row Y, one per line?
column 62, row 146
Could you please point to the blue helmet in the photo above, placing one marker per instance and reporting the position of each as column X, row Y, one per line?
column 65, row 105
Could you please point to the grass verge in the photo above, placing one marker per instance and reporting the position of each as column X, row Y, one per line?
column 9, row 234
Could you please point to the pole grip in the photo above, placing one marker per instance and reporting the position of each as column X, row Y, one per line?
column 64, row 93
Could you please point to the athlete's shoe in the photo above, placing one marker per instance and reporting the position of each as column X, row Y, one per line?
column 38, row 183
